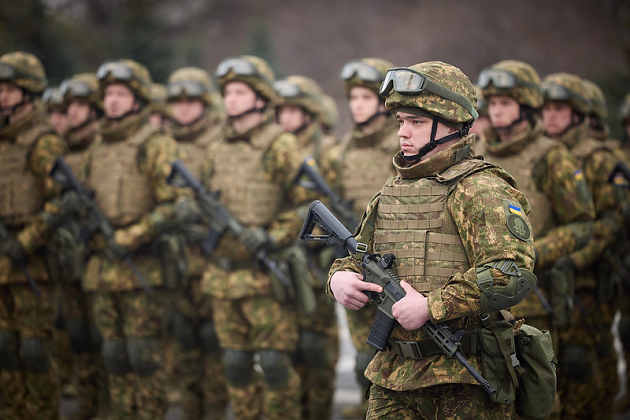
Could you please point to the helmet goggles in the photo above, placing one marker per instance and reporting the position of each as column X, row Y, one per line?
column 239, row 66
column 287, row 89
column 8, row 72
column 52, row 96
column 502, row 79
column 76, row 88
column 115, row 70
column 185, row 88
column 408, row 81
column 361, row 70
column 556, row 92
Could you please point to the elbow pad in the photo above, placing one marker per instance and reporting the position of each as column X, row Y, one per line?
column 494, row 298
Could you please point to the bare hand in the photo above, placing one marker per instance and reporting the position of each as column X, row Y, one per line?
column 412, row 311
column 348, row 286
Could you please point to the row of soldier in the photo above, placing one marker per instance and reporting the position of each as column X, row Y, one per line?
column 223, row 308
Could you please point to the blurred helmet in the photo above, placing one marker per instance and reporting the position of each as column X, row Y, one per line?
column 251, row 70
column 366, row 72
column 330, row 114
column 23, row 70
column 624, row 110
column 191, row 83
column 82, row 86
column 300, row 91
column 482, row 104
column 128, row 72
column 53, row 99
column 438, row 88
column 515, row 79
column 568, row 88
column 158, row 99
column 597, row 100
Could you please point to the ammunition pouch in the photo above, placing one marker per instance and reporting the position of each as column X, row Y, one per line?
column 498, row 359
column 494, row 298
column 8, row 351
column 171, row 249
column 34, row 354
column 65, row 255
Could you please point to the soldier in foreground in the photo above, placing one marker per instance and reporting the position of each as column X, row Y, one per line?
column 28, row 147
column 453, row 222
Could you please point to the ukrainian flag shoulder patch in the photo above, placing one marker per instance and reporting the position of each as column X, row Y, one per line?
column 515, row 220
column 514, row 209
column 578, row 175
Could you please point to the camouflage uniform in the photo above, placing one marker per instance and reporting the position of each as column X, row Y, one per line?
column 318, row 348
column 445, row 217
column 160, row 111
column 375, row 141
column 199, row 355
column 128, row 171
column 584, row 390
column 254, row 171
column 66, row 256
column 28, row 147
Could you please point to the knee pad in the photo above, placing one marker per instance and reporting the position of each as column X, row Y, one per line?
column 79, row 336
column 115, row 357
column 144, row 355
column 238, row 365
column 275, row 365
column 362, row 361
column 312, row 349
column 208, row 337
column 34, row 354
column 578, row 364
column 183, row 330
column 8, row 351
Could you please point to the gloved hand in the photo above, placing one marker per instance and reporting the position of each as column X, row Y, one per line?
column 254, row 239
column 13, row 249
column 113, row 251
column 187, row 212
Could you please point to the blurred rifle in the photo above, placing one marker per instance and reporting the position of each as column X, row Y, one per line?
column 5, row 237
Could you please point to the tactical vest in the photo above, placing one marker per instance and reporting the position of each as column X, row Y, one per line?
column 194, row 152
column 122, row 192
column 246, row 188
column 412, row 223
column 21, row 192
column 521, row 166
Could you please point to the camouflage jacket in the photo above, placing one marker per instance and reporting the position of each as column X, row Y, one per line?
column 476, row 205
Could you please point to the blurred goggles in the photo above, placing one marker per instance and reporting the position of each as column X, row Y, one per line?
column 556, row 92
column 74, row 88
column 240, row 67
column 408, row 81
column 287, row 89
column 362, row 71
column 186, row 88
column 624, row 110
column 52, row 96
column 502, row 79
column 8, row 72
column 115, row 70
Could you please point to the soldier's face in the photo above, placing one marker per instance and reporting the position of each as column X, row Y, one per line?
column 557, row 117
column 78, row 112
column 10, row 95
column 503, row 111
column 118, row 100
column 238, row 97
column 187, row 111
column 291, row 117
column 414, row 132
column 363, row 104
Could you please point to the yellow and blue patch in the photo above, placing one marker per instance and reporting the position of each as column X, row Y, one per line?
column 578, row 175
column 515, row 209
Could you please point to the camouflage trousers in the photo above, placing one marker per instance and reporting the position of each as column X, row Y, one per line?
column 250, row 325
column 316, row 359
column 137, row 320
column 198, row 357
column 448, row 401
column 359, row 323
column 28, row 393
column 85, row 344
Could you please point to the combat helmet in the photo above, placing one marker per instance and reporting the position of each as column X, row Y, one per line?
column 191, row 83
column 329, row 117
column 23, row 70
column 128, row 72
column 597, row 101
column 515, row 79
column 159, row 99
column 482, row 103
column 300, row 91
column 251, row 70
column 568, row 88
column 82, row 86
column 624, row 110
column 365, row 72
column 53, row 99
column 438, row 90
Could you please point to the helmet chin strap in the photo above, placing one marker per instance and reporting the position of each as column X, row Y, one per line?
column 372, row 118
column 433, row 143
column 251, row 110
column 508, row 128
column 580, row 120
column 134, row 110
column 26, row 99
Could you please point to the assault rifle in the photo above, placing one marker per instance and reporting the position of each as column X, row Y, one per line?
column 5, row 236
column 95, row 219
column 343, row 209
column 378, row 270
column 220, row 217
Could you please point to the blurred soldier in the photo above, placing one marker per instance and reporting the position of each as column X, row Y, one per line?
column 254, row 170
column 580, row 385
column 451, row 220
column 66, row 256
column 53, row 101
column 482, row 123
column 358, row 173
column 197, row 123
column 159, row 107
column 299, row 111
column 329, row 118
column 131, row 271
column 546, row 173
column 28, row 147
